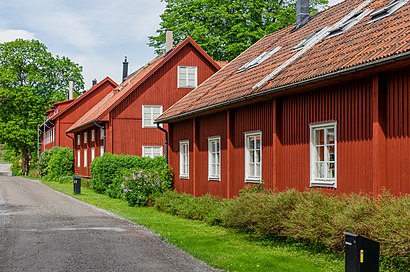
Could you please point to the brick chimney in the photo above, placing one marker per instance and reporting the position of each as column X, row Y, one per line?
column 70, row 89
column 169, row 40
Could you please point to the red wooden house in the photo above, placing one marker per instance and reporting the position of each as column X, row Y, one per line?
column 64, row 114
column 324, row 104
column 123, row 122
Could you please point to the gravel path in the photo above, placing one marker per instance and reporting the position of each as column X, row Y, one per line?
column 43, row 230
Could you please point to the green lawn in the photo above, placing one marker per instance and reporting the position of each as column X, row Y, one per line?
column 219, row 247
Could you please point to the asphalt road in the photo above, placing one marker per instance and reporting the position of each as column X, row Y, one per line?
column 43, row 230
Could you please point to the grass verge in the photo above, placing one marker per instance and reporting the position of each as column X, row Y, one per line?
column 219, row 247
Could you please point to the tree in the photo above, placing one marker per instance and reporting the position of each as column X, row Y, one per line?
column 225, row 28
column 31, row 79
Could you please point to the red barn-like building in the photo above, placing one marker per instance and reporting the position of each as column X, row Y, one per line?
column 123, row 122
column 65, row 113
column 324, row 104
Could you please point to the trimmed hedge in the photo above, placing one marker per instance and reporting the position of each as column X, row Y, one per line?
column 312, row 217
column 109, row 171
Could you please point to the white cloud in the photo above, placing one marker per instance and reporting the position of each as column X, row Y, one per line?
column 8, row 35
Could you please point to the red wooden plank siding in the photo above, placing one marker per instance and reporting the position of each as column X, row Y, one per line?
column 181, row 132
column 160, row 89
column 397, row 132
column 344, row 103
column 373, row 138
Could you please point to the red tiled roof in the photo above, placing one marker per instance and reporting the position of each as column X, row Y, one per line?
column 93, row 113
column 82, row 96
column 362, row 44
column 133, row 81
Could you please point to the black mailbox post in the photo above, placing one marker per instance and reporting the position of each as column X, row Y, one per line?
column 361, row 253
column 77, row 184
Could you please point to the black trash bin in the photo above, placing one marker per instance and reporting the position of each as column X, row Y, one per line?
column 361, row 253
column 77, row 184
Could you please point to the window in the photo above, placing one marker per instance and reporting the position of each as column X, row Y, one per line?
column 85, row 158
column 149, row 114
column 253, row 156
column 85, row 137
column 78, row 158
column 187, row 76
column 388, row 10
column 214, row 158
column 323, row 155
column 102, row 150
column 151, row 151
column 92, row 153
column 78, row 139
column 92, row 135
column 259, row 59
column 101, row 133
column 347, row 22
column 184, row 159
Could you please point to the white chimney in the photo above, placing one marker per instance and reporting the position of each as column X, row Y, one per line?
column 169, row 40
column 70, row 89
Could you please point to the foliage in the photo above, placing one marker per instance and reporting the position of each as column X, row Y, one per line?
column 56, row 163
column 31, row 79
column 142, row 186
column 207, row 208
column 312, row 217
column 225, row 28
column 107, row 171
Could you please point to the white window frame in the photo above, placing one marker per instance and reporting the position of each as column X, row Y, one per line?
column 85, row 158
column 326, row 181
column 78, row 139
column 151, row 147
column 92, row 153
column 184, row 159
column 102, row 131
column 186, row 72
column 78, row 158
column 92, row 135
column 212, row 158
column 248, row 176
column 85, row 137
column 152, row 117
column 102, row 150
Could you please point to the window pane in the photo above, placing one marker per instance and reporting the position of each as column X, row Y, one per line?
column 330, row 170
column 320, row 173
column 320, row 153
column 330, row 153
column 319, row 137
column 330, row 136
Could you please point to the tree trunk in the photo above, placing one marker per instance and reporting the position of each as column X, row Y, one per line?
column 25, row 162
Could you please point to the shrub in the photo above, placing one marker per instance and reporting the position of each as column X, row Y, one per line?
column 56, row 162
column 312, row 217
column 105, row 170
column 141, row 186
column 206, row 208
column 261, row 212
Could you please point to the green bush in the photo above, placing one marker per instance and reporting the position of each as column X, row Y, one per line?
column 140, row 187
column 206, row 208
column 313, row 217
column 56, row 162
column 107, row 171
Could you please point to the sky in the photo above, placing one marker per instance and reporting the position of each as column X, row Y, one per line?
column 96, row 34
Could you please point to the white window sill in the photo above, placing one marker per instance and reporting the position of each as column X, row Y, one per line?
column 214, row 179
column 252, row 180
column 324, row 184
column 184, row 177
